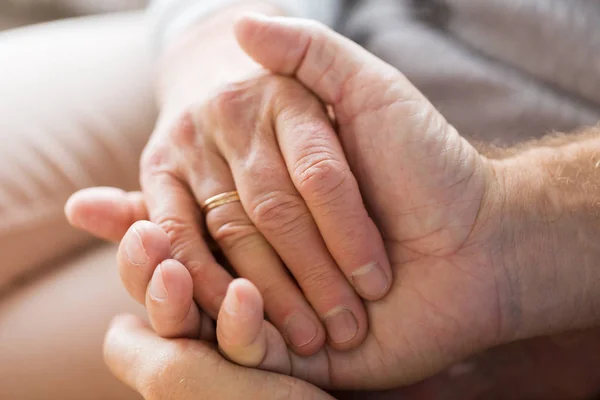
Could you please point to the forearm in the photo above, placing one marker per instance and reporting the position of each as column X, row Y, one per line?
column 551, row 230
column 195, row 46
column 204, row 56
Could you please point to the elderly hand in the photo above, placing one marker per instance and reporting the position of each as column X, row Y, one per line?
column 442, row 209
column 299, row 209
column 451, row 220
column 432, row 194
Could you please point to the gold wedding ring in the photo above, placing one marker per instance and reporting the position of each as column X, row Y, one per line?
column 220, row 200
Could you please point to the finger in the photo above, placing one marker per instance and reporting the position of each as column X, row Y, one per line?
column 279, row 212
column 185, row 369
column 320, row 171
column 174, row 209
column 383, row 121
column 240, row 326
column 332, row 66
column 170, row 304
column 251, row 255
column 143, row 247
column 247, row 339
column 105, row 212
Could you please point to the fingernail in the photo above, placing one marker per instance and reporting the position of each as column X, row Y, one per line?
column 231, row 303
column 135, row 250
column 158, row 289
column 300, row 330
column 370, row 281
column 341, row 325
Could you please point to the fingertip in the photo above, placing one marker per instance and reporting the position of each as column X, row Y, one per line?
column 173, row 281
column 273, row 42
column 154, row 240
column 347, row 327
column 169, row 301
column 243, row 304
column 246, row 293
column 142, row 249
column 85, row 201
column 247, row 23
column 71, row 209
column 240, row 325
column 373, row 281
column 103, row 211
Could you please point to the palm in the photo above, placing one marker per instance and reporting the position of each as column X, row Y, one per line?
column 430, row 209
column 426, row 188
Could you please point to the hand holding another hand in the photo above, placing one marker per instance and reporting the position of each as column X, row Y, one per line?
column 441, row 209
column 299, row 210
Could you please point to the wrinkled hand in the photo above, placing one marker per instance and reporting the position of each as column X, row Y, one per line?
column 271, row 140
column 437, row 201
column 433, row 196
column 443, row 212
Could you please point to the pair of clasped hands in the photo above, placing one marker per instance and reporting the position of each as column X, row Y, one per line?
column 366, row 231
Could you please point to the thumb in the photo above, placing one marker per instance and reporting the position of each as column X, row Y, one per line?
column 247, row 339
column 243, row 334
column 332, row 66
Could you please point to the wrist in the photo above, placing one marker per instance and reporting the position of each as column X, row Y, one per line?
column 205, row 56
column 548, row 254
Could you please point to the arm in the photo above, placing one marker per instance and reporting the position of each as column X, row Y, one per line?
column 170, row 17
column 551, row 232
column 226, row 125
column 192, row 37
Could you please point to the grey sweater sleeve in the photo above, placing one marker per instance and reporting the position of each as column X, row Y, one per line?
column 170, row 17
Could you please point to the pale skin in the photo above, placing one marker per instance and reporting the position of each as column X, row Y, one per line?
column 457, row 227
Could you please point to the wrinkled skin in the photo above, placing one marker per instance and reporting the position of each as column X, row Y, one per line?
column 438, row 204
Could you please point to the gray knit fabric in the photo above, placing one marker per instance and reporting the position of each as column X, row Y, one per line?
column 500, row 70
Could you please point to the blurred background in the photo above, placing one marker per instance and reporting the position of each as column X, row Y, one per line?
column 15, row 13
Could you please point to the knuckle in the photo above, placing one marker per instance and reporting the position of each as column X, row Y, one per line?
column 274, row 292
column 231, row 233
column 180, row 232
column 320, row 279
column 183, row 130
column 157, row 155
column 155, row 158
column 277, row 85
column 279, row 213
column 231, row 100
column 173, row 225
column 316, row 27
column 321, row 177
column 235, row 110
